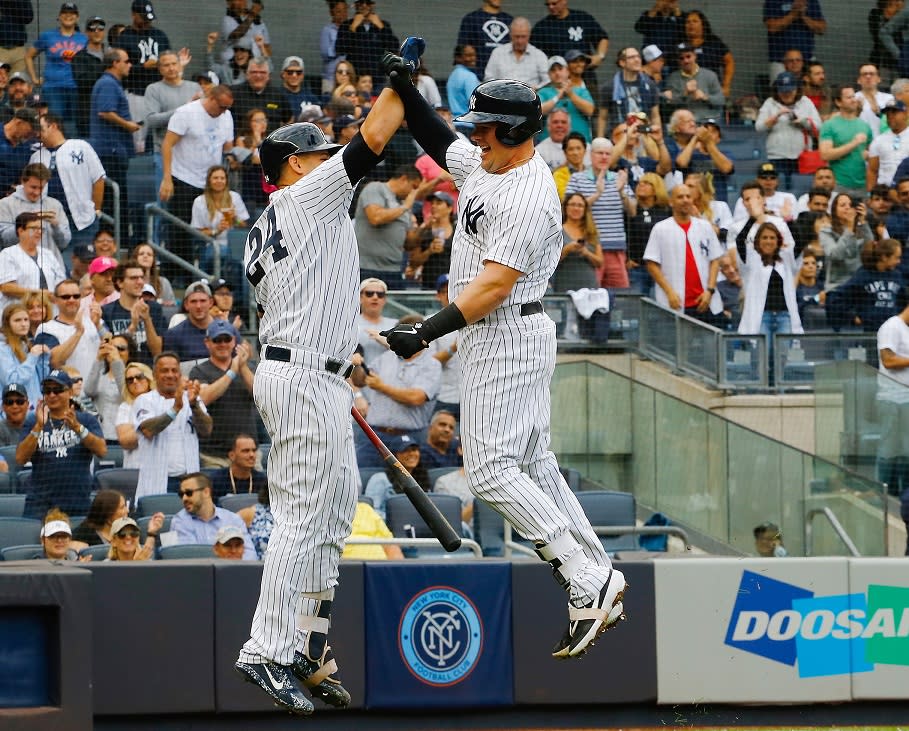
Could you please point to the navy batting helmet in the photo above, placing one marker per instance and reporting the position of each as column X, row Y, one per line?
column 513, row 104
column 291, row 139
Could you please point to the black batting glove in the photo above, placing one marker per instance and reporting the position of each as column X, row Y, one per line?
column 398, row 71
column 405, row 340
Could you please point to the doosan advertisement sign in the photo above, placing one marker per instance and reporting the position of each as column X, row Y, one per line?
column 820, row 635
column 781, row 630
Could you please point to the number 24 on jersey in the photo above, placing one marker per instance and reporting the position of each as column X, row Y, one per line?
column 260, row 243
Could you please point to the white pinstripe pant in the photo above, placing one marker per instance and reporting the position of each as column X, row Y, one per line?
column 313, row 491
column 506, row 368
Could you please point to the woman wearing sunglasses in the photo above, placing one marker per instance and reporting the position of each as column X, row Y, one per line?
column 107, row 379
column 124, row 542
column 138, row 379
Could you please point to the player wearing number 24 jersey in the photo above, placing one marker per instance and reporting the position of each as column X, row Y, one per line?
column 301, row 257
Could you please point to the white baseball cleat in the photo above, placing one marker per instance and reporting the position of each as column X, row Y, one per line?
column 586, row 624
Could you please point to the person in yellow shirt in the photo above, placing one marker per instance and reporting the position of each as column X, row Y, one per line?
column 368, row 524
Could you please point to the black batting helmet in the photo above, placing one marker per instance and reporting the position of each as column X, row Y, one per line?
column 512, row 103
column 291, row 139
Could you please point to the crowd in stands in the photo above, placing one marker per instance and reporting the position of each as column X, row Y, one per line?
column 104, row 348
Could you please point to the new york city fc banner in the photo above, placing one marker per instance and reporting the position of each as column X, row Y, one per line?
column 438, row 635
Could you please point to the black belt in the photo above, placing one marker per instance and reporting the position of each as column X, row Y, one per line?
column 528, row 308
column 332, row 365
column 391, row 430
column 531, row 308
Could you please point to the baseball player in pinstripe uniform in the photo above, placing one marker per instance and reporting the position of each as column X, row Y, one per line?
column 301, row 257
column 505, row 249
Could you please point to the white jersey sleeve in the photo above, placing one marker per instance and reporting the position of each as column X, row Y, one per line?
column 462, row 158
column 521, row 219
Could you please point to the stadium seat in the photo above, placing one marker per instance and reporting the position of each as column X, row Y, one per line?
column 19, row 531
column 572, row 477
column 404, row 521
column 238, row 501
column 23, row 479
column 187, row 550
column 12, row 506
column 436, row 472
column 488, row 529
column 366, row 473
column 113, row 458
column 608, row 508
column 9, row 454
column 22, row 553
column 6, row 483
column 168, row 503
column 119, row 478
column 98, row 552
column 140, row 185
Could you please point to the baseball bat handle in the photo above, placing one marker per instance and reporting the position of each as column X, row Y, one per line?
column 440, row 527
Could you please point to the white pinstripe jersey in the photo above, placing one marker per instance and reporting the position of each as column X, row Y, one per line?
column 514, row 219
column 301, row 257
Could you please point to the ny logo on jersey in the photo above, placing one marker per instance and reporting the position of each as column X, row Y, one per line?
column 705, row 248
column 148, row 48
column 472, row 212
column 77, row 158
column 495, row 30
column 575, row 33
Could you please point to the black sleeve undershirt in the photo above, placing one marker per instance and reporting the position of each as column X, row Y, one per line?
column 359, row 158
column 427, row 127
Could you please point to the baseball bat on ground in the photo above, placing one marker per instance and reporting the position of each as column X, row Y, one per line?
column 437, row 523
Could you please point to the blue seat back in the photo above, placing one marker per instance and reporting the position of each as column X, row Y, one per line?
column 19, row 531
column 239, row 501
column 22, row 553
column 12, row 506
column 168, row 503
column 187, row 550
column 609, row 507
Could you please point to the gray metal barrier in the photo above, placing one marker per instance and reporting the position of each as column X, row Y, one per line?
column 114, row 219
column 153, row 211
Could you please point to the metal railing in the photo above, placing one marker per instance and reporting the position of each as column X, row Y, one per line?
column 467, row 543
column 729, row 360
column 151, row 212
column 623, row 330
column 512, row 546
column 797, row 357
column 834, row 523
column 114, row 219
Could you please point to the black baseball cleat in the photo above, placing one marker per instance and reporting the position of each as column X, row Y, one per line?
column 411, row 50
column 321, row 678
column 275, row 680
column 586, row 624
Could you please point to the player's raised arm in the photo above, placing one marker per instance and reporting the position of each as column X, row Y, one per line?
column 427, row 127
column 383, row 121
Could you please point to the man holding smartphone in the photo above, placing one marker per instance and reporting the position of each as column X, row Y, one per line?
column 226, row 390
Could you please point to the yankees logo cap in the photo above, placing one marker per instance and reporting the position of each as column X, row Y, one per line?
column 143, row 8
column 15, row 388
column 60, row 377
column 102, row 264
